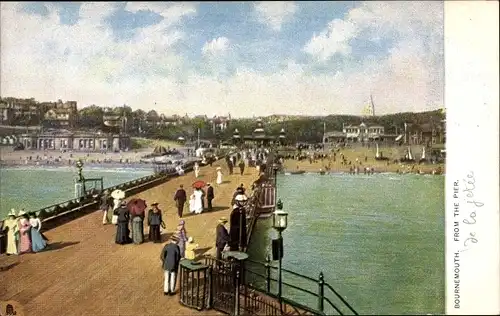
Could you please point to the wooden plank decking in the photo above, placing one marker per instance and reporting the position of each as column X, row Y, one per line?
column 85, row 273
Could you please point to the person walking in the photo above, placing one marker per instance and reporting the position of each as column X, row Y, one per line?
column 11, row 225
column 154, row 222
column 122, row 230
column 241, row 164
column 38, row 241
column 105, row 205
column 181, row 236
column 210, row 196
column 222, row 237
column 170, row 258
column 180, row 199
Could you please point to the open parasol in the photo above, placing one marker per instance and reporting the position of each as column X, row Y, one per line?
column 199, row 184
column 136, row 206
column 118, row 194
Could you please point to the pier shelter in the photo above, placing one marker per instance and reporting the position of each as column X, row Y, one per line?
column 259, row 137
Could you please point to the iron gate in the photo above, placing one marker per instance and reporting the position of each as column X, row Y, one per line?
column 223, row 287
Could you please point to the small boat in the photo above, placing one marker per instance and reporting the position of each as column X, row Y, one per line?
column 321, row 172
column 297, row 172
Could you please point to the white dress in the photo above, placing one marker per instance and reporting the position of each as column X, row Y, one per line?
column 191, row 203
column 196, row 170
column 198, row 206
column 219, row 177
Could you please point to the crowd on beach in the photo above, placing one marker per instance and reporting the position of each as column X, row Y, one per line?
column 23, row 233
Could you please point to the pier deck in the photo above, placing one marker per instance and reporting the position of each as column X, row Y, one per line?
column 85, row 273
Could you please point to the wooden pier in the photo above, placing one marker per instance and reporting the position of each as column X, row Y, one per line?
column 83, row 271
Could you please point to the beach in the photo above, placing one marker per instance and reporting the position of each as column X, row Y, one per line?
column 362, row 158
column 10, row 157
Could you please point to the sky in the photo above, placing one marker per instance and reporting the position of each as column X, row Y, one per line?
column 215, row 58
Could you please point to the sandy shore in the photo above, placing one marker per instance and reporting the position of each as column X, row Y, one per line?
column 378, row 166
column 9, row 157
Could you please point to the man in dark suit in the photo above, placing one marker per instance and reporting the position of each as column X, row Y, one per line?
column 180, row 199
column 210, row 196
column 170, row 258
column 222, row 237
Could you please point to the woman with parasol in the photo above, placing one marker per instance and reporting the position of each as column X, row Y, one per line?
column 198, row 196
column 136, row 208
column 118, row 196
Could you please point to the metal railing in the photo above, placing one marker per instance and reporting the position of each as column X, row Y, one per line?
column 54, row 211
column 328, row 301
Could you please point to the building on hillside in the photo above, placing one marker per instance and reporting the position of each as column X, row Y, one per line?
column 173, row 120
column 425, row 134
column 61, row 139
column 14, row 111
column 220, row 123
column 357, row 134
column 59, row 114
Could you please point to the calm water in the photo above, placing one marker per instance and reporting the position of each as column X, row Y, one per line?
column 34, row 188
column 379, row 240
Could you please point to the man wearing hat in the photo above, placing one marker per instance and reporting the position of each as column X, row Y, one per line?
column 222, row 237
column 180, row 199
column 170, row 258
column 154, row 222
column 105, row 205
column 210, row 196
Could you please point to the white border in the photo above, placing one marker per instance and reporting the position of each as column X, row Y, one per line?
column 471, row 99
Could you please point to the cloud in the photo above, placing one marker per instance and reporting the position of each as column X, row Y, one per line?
column 275, row 13
column 47, row 60
column 217, row 46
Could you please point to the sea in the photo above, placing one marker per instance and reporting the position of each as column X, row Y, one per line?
column 33, row 188
column 378, row 240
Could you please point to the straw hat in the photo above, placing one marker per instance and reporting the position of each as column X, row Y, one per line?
column 222, row 220
column 21, row 213
column 12, row 212
column 190, row 239
column 155, row 203
column 219, row 168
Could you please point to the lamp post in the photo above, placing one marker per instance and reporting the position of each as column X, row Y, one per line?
column 241, row 201
column 280, row 223
column 275, row 169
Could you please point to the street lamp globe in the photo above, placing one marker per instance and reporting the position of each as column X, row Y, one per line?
column 280, row 220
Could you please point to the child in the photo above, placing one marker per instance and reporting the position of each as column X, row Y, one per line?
column 190, row 249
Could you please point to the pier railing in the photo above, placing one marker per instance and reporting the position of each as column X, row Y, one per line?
column 79, row 206
column 317, row 296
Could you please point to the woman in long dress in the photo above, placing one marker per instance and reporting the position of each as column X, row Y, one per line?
column 25, row 234
column 219, row 175
column 198, row 202
column 11, row 225
column 122, row 230
column 181, row 235
column 192, row 201
column 138, row 228
column 38, row 242
column 196, row 169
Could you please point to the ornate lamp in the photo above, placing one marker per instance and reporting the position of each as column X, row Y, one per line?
column 280, row 218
